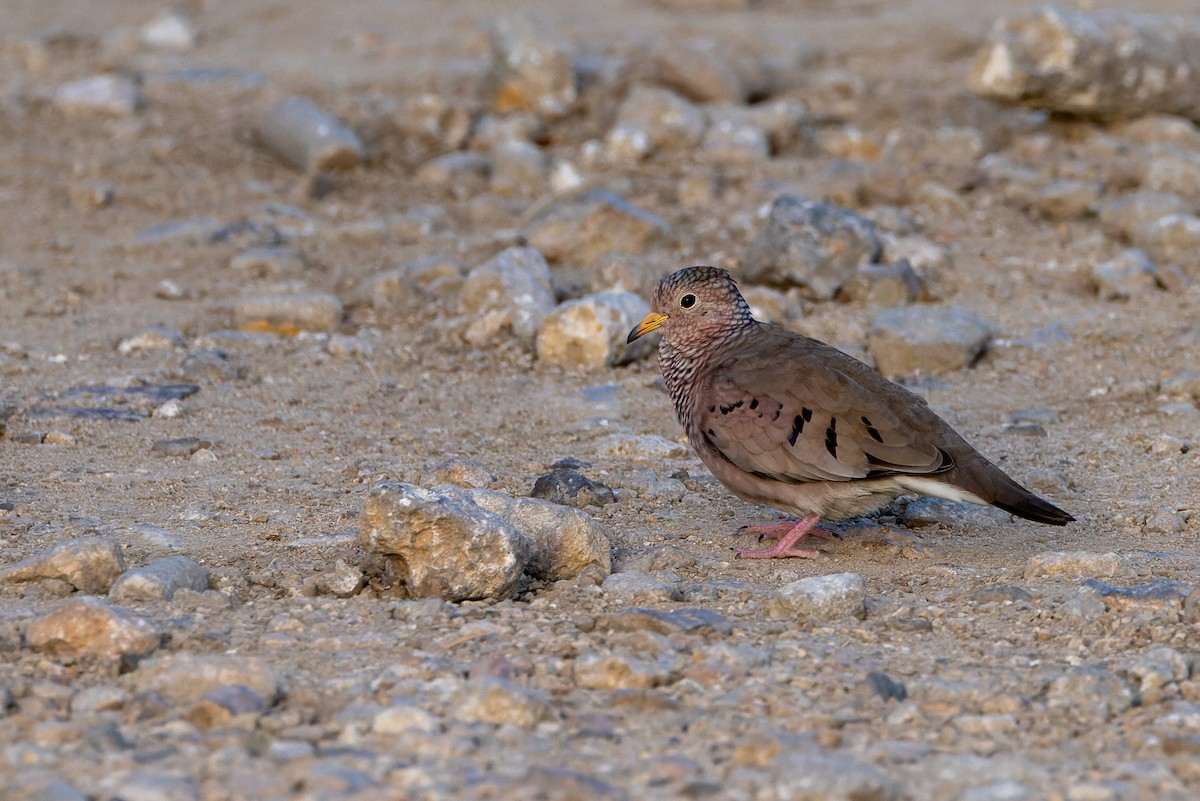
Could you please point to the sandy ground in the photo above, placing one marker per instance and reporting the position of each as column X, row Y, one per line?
column 301, row 434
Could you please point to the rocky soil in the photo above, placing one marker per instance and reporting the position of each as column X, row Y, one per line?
column 325, row 473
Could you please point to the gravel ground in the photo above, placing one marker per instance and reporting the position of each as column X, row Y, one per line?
column 265, row 269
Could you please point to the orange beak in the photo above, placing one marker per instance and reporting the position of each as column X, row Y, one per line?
column 651, row 321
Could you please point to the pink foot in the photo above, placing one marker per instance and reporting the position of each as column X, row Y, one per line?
column 773, row 531
column 788, row 534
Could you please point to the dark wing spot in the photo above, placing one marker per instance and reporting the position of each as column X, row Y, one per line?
column 712, row 409
column 831, row 437
column 874, row 432
column 797, row 427
column 754, row 403
column 731, row 407
column 807, row 412
column 775, row 416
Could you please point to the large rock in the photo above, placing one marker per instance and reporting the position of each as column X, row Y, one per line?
column 509, row 295
column 565, row 541
column 442, row 543
column 89, row 564
column 1094, row 63
column 909, row 340
column 589, row 333
column 812, row 244
column 89, row 626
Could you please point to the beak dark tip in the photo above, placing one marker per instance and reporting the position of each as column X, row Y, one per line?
column 632, row 336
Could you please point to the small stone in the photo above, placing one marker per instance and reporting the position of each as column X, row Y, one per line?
column 651, row 448
column 308, row 137
column 1068, row 200
column 340, row 581
column 180, row 447
column 637, row 588
column 461, row 472
column 170, row 30
column 463, row 173
column 885, row 285
column 564, row 541
column 647, row 484
column 1125, row 215
column 570, row 488
column 885, row 687
column 271, row 262
column 1155, row 668
column 926, row 339
column 110, row 95
column 315, row 311
column 87, row 195
column 89, row 564
column 443, row 545
column 89, row 626
column 519, row 168
column 812, row 244
column 515, row 286
column 706, row 70
column 653, row 119
column 617, row 671
column 598, row 222
column 686, row 620
column 1130, row 273
column 149, row 785
column 61, row 438
column 730, row 142
column 1165, row 594
column 1175, row 172
column 154, row 338
column 529, row 72
column 822, row 598
column 159, row 580
column 490, row 699
column 183, row 678
column 1164, row 521
column 169, row 290
column 1174, row 239
column 221, row 706
column 401, row 718
column 808, row 775
column 1001, row 594
column 1090, row 694
column 590, row 333
column 1074, row 563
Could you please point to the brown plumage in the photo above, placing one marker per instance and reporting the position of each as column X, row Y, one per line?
column 792, row 423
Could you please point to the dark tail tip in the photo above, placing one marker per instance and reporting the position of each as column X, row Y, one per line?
column 1031, row 507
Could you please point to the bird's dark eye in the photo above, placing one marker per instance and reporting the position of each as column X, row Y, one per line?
column 687, row 301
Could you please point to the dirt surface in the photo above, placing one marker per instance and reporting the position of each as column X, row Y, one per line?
column 299, row 431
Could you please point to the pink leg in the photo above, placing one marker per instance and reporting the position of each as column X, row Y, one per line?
column 773, row 531
column 787, row 539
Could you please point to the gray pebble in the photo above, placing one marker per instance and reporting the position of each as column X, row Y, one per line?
column 157, row 337
column 635, row 587
column 730, row 142
column 490, row 699
column 510, row 294
column 183, row 678
column 110, row 95
column 685, row 620
column 821, row 598
column 653, row 119
column 811, row 775
column 570, row 488
column 885, row 285
column 149, row 785
column 314, row 311
column 169, row 30
column 1075, row 563
column 584, row 228
column 271, row 262
column 1174, row 239
column 812, row 244
column 159, row 580
column 180, row 447
column 308, row 137
column 1130, row 273
column 926, row 339
column 529, row 72
column 464, row 173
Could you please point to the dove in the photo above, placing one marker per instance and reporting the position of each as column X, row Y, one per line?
column 792, row 423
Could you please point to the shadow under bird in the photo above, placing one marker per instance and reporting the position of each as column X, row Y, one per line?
column 792, row 423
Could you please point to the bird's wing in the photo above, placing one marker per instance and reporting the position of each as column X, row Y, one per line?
column 793, row 409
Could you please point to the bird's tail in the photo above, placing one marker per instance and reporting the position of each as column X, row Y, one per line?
column 995, row 486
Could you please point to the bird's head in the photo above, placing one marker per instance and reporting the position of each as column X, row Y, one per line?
column 696, row 303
